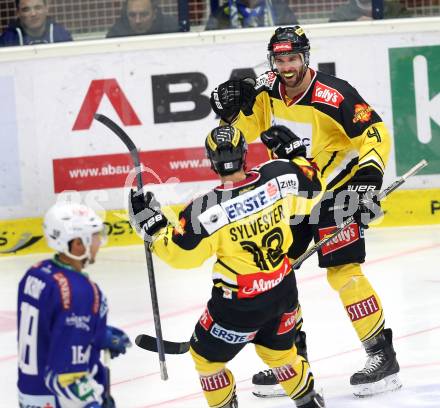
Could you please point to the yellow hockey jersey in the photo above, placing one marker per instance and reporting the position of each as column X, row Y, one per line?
column 341, row 131
column 246, row 225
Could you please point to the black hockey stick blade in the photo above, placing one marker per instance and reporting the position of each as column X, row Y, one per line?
column 149, row 343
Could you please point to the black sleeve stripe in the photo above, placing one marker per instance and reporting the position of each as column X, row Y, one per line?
column 332, row 158
column 377, row 154
column 188, row 241
column 227, row 267
column 223, row 283
column 371, row 163
column 343, row 173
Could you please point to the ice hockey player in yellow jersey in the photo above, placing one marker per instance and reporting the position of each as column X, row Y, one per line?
column 350, row 144
column 244, row 223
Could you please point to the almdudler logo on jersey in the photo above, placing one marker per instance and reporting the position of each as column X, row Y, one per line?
column 254, row 284
column 326, row 94
column 252, row 201
column 344, row 238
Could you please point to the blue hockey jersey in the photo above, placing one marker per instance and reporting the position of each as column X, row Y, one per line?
column 62, row 318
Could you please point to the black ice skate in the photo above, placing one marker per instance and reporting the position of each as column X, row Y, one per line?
column 266, row 385
column 380, row 372
column 265, row 382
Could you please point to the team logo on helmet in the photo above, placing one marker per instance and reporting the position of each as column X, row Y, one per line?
column 299, row 31
column 282, row 47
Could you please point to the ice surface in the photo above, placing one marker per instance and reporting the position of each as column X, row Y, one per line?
column 403, row 266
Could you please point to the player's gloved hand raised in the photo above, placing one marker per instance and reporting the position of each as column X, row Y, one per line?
column 366, row 183
column 116, row 341
column 145, row 214
column 283, row 142
column 232, row 96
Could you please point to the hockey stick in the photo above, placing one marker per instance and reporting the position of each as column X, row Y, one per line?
column 149, row 343
column 150, row 268
column 395, row 184
column 108, row 399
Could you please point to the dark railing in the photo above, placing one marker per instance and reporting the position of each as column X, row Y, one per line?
column 93, row 18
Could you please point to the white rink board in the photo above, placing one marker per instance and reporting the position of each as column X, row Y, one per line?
column 49, row 87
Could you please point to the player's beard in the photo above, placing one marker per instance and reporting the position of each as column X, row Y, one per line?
column 299, row 76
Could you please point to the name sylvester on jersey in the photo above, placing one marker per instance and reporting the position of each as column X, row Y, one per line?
column 257, row 226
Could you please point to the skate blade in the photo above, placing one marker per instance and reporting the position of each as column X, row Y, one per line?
column 387, row 384
column 268, row 391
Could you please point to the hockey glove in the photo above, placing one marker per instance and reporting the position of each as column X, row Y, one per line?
column 366, row 183
column 145, row 214
column 283, row 142
column 232, row 96
column 116, row 341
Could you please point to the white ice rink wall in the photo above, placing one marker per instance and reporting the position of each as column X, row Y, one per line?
column 157, row 88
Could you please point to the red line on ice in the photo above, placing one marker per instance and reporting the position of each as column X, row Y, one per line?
column 200, row 395
column 191, row 308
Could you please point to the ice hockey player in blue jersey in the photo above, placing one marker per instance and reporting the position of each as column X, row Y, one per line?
column 62, row 318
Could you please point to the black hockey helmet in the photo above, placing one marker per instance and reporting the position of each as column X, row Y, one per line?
column 288, row 40
column 226, row 149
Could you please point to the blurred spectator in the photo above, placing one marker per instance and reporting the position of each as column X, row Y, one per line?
column 139, row 17
column 251, row 13
column 33, row 26
column 357, row 10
